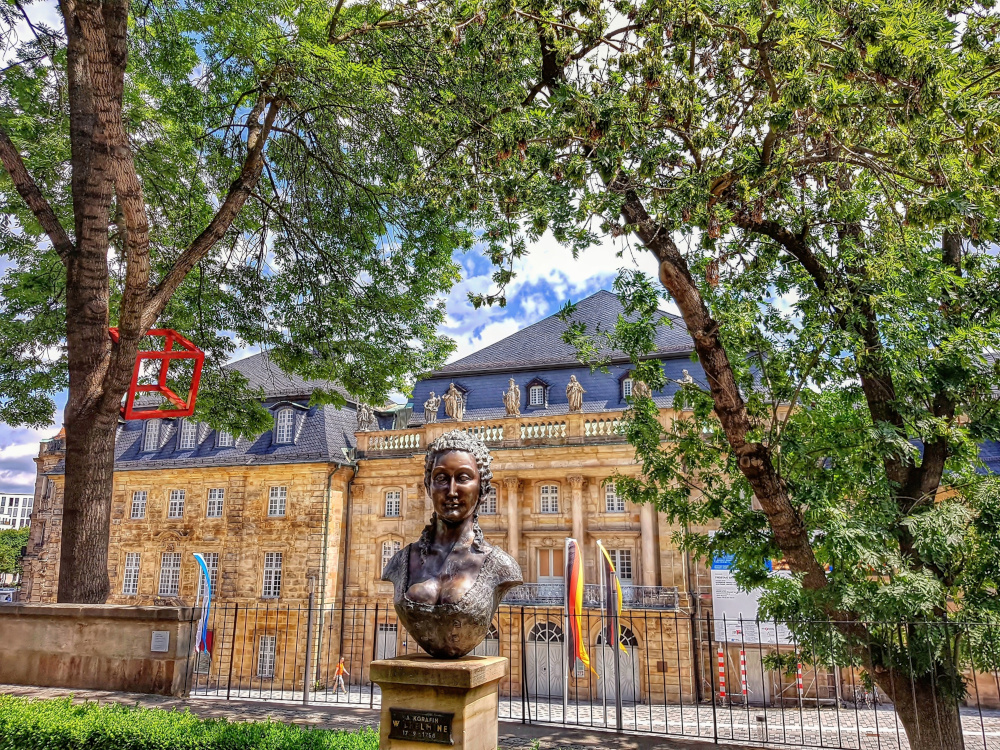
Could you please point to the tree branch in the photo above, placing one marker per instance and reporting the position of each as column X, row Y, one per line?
column 753, row 458
column 104, row 28
column 28, row 190
column 238, row 193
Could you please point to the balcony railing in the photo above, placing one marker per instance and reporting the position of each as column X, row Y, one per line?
column 554, row 595
column 565, row 429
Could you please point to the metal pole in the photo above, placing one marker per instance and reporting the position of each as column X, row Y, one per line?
column 618, row 683
column 566, row 629
column 710, row 637
column 309, row 647
column 232, row 649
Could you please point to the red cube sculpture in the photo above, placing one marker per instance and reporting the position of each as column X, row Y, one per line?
column 186, row 350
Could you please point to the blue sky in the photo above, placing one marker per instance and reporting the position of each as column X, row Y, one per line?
column 546, row 278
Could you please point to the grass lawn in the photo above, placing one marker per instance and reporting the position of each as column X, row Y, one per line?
column 61, row 725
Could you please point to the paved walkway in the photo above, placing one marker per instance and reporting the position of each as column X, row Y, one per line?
column 512, row 734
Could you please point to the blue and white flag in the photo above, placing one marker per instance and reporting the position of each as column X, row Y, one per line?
column 202, row 643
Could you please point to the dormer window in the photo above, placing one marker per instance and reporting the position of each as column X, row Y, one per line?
column 538, row 393
column 151, row 435
column 626, row 387
column 223, row 439
column 188, row 439
column 284, row 426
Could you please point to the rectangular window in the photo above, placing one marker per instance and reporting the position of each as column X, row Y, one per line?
column 549, row 498
column 216, row 497
column 276, row 501
column 139, row 504
column 389, row 548
column 392, row 503
column 536, row 395
column 622, row 559
column 613, row 502
column 189, row 435
column 265, row 655
column 272, row 575
column 170, row 574
column 212, row 561
column 551, row 565
column 130, row 581
column 175, row 508
column 627, row 387
column 489, row 504
column 224, row 440
column 151, row 435
column 283, row 426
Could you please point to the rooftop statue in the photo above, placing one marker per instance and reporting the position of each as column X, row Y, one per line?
column 454, row 404
column 448, row 584
column 431, row 406
column 366, row 418
column 574, row 394
column 512, row 400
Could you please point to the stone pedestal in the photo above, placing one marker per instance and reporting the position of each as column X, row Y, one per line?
column 427, row 701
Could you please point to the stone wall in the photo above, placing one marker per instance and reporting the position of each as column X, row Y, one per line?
column 97, row 646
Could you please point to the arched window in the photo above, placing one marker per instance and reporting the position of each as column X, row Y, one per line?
column 151, row 435
column 389, row 548
column 536, row 395
column 628, row 638
column 626, row 387
column 393, row 501
column 549, row 498
column 283, row 426
column 489, row 504
column 613, row 502
column 546, row 632
column 188, row 439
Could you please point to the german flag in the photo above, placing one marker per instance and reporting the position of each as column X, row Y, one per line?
column 612, row 599
column 576, row 646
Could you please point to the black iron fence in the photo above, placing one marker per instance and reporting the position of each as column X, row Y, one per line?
column 677, row 674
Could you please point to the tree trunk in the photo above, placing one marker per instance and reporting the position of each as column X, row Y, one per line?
column 98, row 380
column 931, row 719
column 90, row 458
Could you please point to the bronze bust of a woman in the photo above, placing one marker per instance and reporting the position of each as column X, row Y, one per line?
column 448, row 584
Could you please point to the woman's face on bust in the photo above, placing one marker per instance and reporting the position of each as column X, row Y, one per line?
column 455, row 486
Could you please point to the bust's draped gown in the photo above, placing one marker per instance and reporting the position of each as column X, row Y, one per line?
column 448, row 631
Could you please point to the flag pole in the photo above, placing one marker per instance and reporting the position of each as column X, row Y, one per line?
column 612, row 601
column 566, row 628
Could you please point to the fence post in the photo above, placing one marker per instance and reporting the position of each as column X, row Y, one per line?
column 371, row 685
column 232, row 650
column 309, row 647
column 710, row 636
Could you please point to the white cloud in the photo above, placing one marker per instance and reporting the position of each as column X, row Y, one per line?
column 545, row 279
column 22, row 450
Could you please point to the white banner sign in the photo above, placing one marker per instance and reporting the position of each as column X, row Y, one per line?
column 735, row 610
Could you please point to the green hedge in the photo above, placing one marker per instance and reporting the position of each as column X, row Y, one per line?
column 61, row 725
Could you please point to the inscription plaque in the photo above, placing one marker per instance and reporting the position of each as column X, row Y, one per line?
column 420, row 726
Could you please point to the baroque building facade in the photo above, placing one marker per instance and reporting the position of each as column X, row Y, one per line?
column 321, row 502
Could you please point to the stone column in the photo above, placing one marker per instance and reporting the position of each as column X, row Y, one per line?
column 576, row 483
column 647, row 538
column 513, row 486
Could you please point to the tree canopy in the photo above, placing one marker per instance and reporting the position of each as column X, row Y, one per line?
column 818, row 183
column 12, row 541
column 332, row 265
column 232, row 171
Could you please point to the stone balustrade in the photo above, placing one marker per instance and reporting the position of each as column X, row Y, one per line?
column 510, row 432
